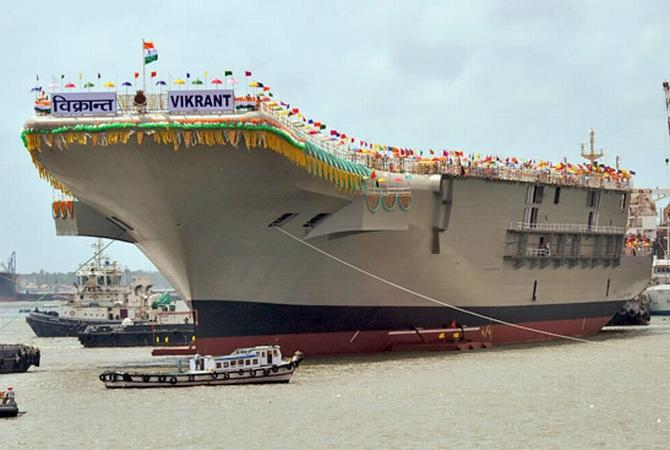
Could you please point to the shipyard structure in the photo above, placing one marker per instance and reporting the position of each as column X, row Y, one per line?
column 8, row 279
column 230, row 203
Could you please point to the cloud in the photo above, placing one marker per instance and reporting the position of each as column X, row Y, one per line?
column 520, row 78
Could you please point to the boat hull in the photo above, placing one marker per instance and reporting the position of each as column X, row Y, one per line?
column 138, row 335
column 120, row 380
column 47, row 325
column 9, row 410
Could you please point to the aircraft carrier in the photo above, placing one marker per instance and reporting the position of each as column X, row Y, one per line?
column 203, row 196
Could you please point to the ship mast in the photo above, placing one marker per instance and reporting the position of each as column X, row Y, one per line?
column 592, row 155
column 98, row 252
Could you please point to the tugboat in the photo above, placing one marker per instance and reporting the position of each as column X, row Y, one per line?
column 101, row 299
column 256, row 365
column 166, row 326
column 8, row 406
column 18, row 358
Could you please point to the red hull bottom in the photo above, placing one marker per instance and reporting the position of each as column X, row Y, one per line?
column 382, row 341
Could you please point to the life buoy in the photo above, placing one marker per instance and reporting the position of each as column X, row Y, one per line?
column 252, row 372
column 266, row 372
column 112, row 377
column 72, row 313
column 102, row 375
column 225, row 375
column 173, row 380
column 289, row 366
column 191, row 378
column 275, row 368
column 146, row 378
column 241, row 372
column 215, row 375
column 161, row 378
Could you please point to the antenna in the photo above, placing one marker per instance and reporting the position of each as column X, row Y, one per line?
column 666, row 89
column 592, row 155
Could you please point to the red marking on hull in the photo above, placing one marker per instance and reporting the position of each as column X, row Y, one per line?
column 381, row 341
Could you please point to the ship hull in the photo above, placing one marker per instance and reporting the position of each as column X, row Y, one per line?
column 8, row 282
column 329, row 330
column 202, row 216
column 138, row 335
column 47, row 325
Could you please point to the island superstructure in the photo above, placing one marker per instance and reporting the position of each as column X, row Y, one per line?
column 202, row 192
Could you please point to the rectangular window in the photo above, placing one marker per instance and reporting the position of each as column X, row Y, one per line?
column 530, row 216
column 538, row 191
column 218, row 365
column 557, row 195
column 593, row 199
column 225, row 365
column 607, row 289
column 593, row 219
column 534, row 297
column 255, row 361
column 622, row 203
column 247, row 362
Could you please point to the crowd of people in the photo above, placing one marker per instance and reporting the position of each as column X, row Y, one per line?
column 638, row 243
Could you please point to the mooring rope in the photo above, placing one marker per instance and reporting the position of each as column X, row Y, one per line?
column 430, row 299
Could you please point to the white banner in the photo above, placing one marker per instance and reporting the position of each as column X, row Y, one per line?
column 83, row 103
column 216, row 100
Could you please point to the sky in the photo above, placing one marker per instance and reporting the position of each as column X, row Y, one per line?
column 511, row 78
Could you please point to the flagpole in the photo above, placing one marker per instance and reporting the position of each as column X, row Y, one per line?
column 144, row 70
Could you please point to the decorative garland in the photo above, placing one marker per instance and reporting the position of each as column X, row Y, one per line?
column 346, row 175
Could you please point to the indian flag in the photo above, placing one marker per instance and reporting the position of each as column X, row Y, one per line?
column 150, row 53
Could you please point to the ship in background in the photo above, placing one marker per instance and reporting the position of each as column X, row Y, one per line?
column 104, row 299
column 8, row 279
column 223, row 202
column 641, row 238
column 658, row 292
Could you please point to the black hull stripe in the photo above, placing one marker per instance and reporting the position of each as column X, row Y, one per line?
column 220, row 318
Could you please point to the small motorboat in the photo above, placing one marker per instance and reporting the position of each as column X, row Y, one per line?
column 8, row 406
column 255, row 365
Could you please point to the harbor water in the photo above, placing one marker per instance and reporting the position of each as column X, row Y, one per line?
column 611, row 394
